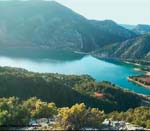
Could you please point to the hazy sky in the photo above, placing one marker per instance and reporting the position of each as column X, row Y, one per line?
column 121, row 11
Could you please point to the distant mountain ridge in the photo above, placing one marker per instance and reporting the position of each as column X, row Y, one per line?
column 113, row 29
column 47, row 24
column 142, row 29
column 139, row 29
column 129, row 27
column 135, row 49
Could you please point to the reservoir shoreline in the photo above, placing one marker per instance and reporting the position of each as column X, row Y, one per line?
column 100, row 69
column 136, row 82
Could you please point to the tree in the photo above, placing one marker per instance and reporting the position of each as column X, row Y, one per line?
column 3, row 117
column 39, row 109
column 139, row 116
column 12, row 112
column 78, row 116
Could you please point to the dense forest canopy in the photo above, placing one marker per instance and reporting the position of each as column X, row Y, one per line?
column 65, row 90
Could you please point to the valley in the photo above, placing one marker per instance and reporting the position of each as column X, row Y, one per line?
column 60, row 70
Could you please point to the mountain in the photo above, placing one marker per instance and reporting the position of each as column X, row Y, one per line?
column 49, row 25
column 142, row 29
column 135, row 49
column 129, row 27
column 111, row 31
column 138, row 29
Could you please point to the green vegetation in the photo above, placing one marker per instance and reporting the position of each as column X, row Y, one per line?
column 39, row 109
column 66, row 90
column 41, row 27
column 139, row 116
column 25, row 92
column 78, row 116
column 15, row 112
column 12, row 112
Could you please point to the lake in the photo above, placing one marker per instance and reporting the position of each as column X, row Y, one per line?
column 115, row 72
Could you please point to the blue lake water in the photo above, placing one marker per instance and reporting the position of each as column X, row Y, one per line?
column 114, row 72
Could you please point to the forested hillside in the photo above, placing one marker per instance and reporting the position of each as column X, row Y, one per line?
column 66, row 90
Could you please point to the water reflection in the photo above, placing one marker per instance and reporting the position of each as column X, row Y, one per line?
column 79, row 64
